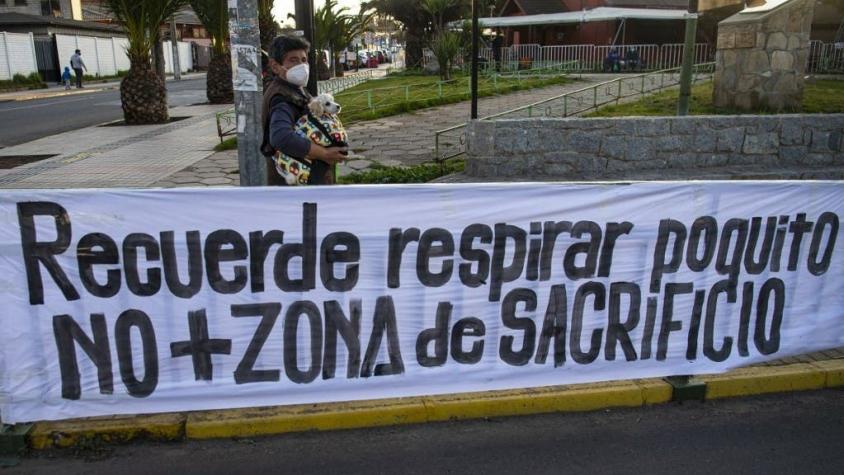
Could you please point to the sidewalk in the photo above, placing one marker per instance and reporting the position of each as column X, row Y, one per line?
column 116, row 156
column 58, row 90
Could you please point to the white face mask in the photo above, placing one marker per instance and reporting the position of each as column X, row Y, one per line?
column 298, row 75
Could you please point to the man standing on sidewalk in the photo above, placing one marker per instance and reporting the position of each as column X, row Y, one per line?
column 78, row 65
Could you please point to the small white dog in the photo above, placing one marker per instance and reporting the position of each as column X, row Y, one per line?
column 324, row 104
column 321, row 126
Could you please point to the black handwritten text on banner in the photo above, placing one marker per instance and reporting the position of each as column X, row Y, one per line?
column 169, row 300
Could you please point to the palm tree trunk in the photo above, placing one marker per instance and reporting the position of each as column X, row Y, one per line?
column 143, row 96
column 218, row 82
column 338, row 66
column 413, row 53
column 160, row 69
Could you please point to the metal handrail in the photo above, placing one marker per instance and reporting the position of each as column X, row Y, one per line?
column 698, row 69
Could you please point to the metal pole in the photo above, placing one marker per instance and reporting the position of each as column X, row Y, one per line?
column 474, row 82
column 246, row 66
column 174, row 42
column 688, row 60
column 305, row 22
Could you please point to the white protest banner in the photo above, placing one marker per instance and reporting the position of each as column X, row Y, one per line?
column 143, row 301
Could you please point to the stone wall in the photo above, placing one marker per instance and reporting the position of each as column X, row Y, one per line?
column 711, row 147
column 761, row 58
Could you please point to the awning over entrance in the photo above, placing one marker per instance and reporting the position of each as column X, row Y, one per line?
column 596, row 14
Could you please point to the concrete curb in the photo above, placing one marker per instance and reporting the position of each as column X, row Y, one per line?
column 360, row 414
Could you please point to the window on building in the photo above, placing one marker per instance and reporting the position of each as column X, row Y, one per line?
column 51, row 8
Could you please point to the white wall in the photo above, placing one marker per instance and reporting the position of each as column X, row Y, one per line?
column 17, row 55
column 185, row 57
column 107, row 56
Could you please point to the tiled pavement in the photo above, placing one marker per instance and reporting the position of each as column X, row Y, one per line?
column 108, row 156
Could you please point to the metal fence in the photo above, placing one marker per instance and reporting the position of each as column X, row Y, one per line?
column 593, row 57
column 490, row 83
column 335, row 85
column 451, row 142
column 825, row 57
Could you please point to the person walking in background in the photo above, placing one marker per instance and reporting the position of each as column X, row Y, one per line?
column 78, row 66
column 497, row 44
column 66, row 77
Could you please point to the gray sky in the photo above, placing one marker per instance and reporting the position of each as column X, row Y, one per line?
column 282, row 7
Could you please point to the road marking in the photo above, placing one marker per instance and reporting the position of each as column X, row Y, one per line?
column 77, row 157
column 43, row 104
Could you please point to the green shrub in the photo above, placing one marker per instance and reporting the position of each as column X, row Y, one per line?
column 392, row 175
column 19, row 81
column 228, row 144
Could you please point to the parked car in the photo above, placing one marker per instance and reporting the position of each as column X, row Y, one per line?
column 379, row 55
column 373, row 61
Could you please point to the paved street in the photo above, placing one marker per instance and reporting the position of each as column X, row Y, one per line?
column 35, row 119
column 787, row 433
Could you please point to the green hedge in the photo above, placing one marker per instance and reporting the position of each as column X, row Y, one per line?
column 19, row 81
column 416, row 174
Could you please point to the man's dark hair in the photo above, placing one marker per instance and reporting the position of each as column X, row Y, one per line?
column 284, row 44
column 78, row 52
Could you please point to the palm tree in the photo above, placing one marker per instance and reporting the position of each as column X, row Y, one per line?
column 445, row 44
column 214, row 15
column 334, row 29
column 418, row 21
column 266, row 23
column 415, row 20
column 142, row 92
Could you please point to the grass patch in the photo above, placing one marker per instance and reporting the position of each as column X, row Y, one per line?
column 416, row 174
column 389, row 97
column 100, row 78
column 398, row 93
column 819, row 97
column 19, row 82
column 228, row 144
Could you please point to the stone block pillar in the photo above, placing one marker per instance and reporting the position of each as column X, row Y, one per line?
column 761, row 58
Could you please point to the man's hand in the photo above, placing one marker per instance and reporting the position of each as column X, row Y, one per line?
column 329, row 155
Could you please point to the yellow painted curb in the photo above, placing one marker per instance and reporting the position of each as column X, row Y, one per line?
column 655, row 391
column 765, row 379
column 412, row 410
column 79, row 432
column 53, row 95
column 581, row 397
column 359, row 414
column 834, row 371
column 281, row 419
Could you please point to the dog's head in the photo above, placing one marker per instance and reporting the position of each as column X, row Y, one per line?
column 324, row 104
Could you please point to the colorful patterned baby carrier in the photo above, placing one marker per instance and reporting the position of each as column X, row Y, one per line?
column 325, row 130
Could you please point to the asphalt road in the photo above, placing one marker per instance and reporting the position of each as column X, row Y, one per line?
column 24, row 121
column 788, row 433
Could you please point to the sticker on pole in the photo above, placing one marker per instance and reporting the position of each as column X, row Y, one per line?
column 245, row 61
